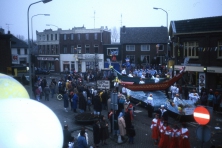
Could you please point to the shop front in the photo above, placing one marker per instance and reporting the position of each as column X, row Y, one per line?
column 194, row 76
column 49, row 63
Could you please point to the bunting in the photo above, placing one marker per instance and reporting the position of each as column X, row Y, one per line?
column 203, row 49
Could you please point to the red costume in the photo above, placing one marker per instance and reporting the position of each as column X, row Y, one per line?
column 154, row 127
column 160, row 126
column 165, row 137
column 174, row 141
column 184, row 141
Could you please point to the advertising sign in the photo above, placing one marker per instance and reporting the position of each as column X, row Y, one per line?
column 202, row 80
column 103, row 84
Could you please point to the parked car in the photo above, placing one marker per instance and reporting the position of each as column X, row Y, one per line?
column 41, row 71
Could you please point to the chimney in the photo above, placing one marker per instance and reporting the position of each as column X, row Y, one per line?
column 124, row 29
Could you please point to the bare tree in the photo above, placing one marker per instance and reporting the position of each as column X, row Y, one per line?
column 114, row 35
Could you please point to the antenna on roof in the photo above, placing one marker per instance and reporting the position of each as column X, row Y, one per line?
column 8, row 26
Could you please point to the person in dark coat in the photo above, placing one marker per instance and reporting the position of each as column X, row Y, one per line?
column 163, row 113
column 82, row 102
column 67, row 136
column 132, row 134
column 75, row 100
column 104, row 99
column 96, row 130
column 97, row 105
column 128, row 121
column 104, row 133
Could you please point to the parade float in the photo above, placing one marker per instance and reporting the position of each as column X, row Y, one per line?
column 181, row 110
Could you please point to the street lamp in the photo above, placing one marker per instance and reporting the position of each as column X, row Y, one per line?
column 166, row 15
column 52, row 25
column 32, row 24
column 30, row 61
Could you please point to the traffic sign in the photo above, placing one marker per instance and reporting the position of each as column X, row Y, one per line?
column 201, row 115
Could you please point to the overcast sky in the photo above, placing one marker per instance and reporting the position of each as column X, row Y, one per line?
column 67, row 14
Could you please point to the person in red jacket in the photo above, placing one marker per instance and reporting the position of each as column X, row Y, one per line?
column 184, row 137
column 155, row 128
column 174, row 141
column 165, row 136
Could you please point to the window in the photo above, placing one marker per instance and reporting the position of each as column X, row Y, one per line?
column 18, row 51
column 145, row 47
column 87, row 36
column 95, row 36
column 79, row 37
column 112, row 51
column 96, row 48
column 72, row 36
column 55, row 36
column 145, row 58
column 131, row 57
column 64, row 37
column 191, row 49
column 79, row 48
column 51, row 37
column 130, row 47
column 72, row 65
column 40, row 37
column 161, row 47
column 43, row 37
column 219, row 50
column 65, row 49
column 26, row 51
column 87, row 48
column 47, row 37
column 72, row 49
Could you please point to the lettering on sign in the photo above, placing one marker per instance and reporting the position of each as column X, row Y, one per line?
column 103, row 84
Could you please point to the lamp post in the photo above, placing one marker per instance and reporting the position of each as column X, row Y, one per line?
column 52, row 25
column 32, row 24
column 166, row 15
column 30, row 61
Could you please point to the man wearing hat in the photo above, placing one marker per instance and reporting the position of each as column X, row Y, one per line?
column 163, row 113
column 150, row 105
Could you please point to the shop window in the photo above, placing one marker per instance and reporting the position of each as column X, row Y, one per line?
column 191, row 49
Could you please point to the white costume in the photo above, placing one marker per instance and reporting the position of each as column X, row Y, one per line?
column 174, row 90
column 141, row 82
column 194, row 97
column 130, row 75
column 123, row 71
column 150, row 100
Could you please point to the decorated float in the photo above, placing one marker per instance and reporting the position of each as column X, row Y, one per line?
column 181, row 110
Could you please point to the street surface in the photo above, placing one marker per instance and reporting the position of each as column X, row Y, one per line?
column 141, row 123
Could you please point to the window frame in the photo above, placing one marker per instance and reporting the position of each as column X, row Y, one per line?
column 64, row 37
column 72, row 36
column 190, row 49
column 79, row 36
column 87, row 36
column 128, row 56
column 147, row 47
column 95, row 36
column 142, row 57
column 87, row 48
column 72, row 49
column 130, row 46
column 64, row 49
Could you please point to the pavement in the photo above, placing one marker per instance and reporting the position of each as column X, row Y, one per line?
column 141, row 123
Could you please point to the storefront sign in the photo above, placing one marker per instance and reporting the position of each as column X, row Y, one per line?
column 202, row 80
column 103, row 84
column 45, row 58
column 14, row 58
